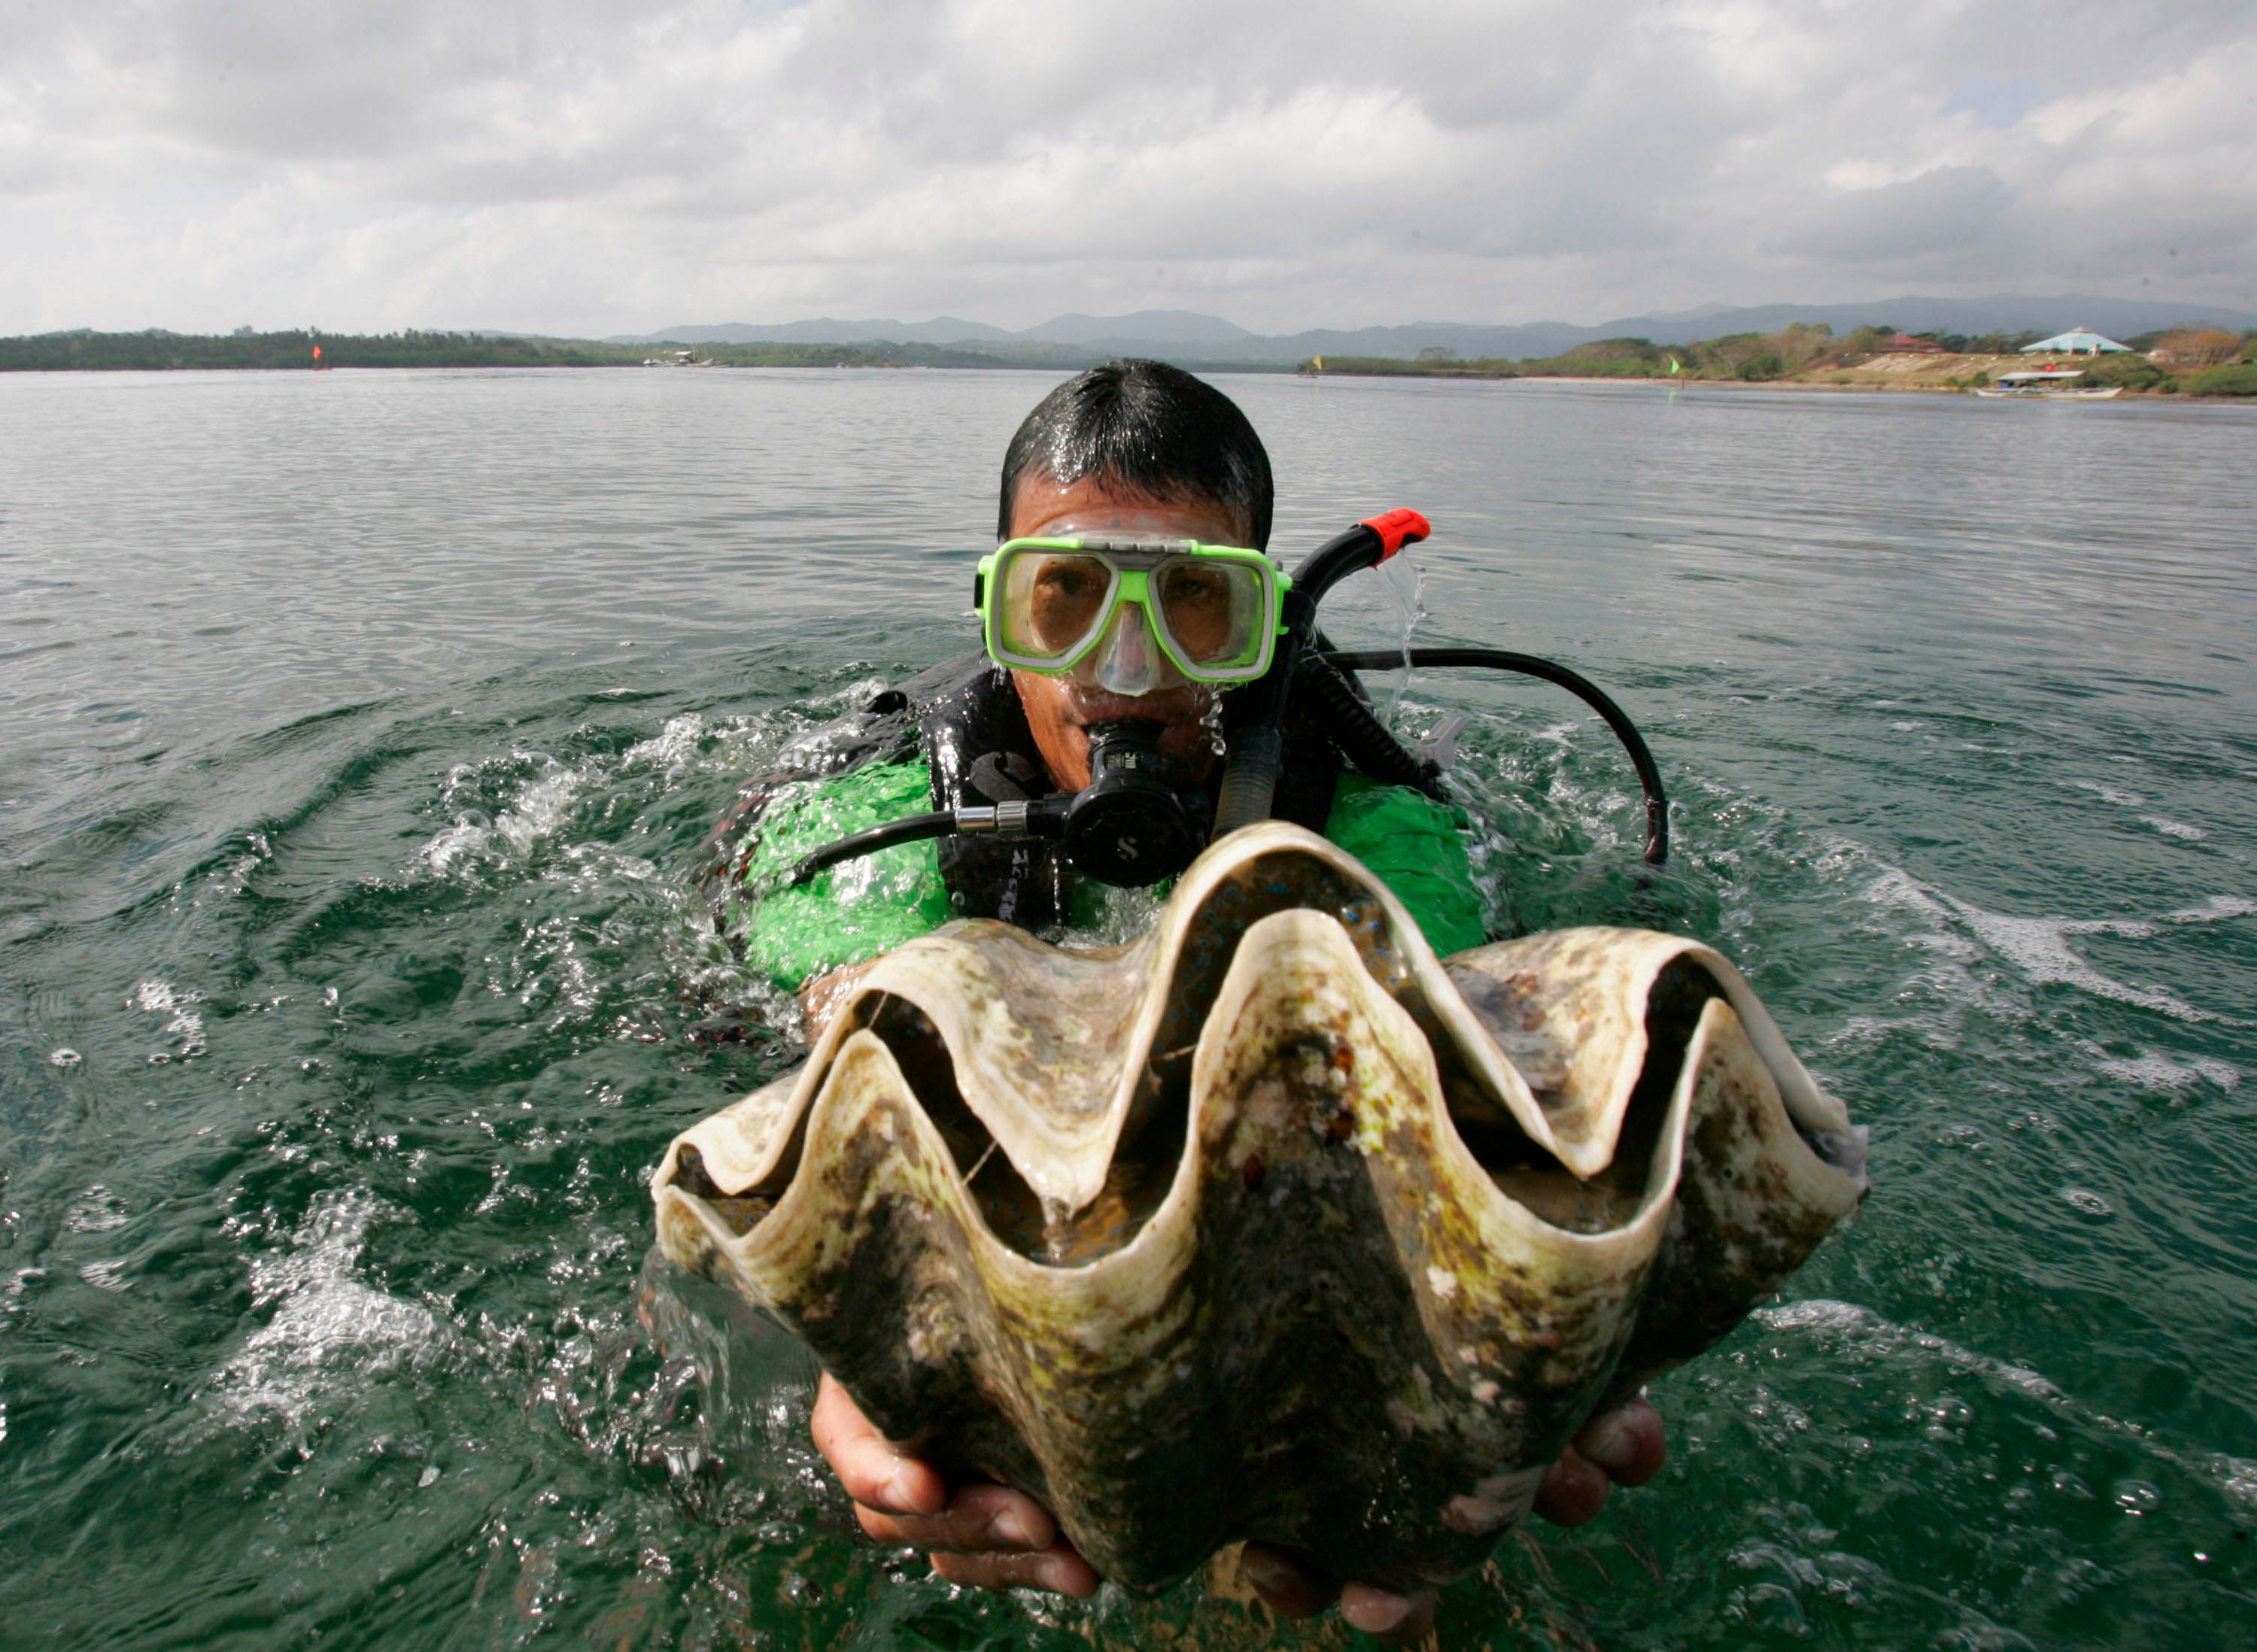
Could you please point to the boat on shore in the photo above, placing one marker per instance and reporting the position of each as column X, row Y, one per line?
column 2049, row 383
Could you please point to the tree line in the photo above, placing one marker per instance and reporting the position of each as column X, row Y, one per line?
column 2198, row 361
column 156, row 350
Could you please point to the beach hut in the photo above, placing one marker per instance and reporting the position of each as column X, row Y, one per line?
column 2079, row 341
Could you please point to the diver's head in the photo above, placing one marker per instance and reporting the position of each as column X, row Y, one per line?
column 1137, row 450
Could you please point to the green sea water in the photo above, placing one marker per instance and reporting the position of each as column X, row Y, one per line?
column 357, row 734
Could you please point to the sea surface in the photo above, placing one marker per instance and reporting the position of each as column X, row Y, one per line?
column 357, row 731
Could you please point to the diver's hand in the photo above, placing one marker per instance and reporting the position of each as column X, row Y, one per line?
column 1625, row 1446
column 1292, row 1587
column 987, row 1536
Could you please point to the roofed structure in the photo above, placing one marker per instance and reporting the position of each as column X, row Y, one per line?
column 2079, row 341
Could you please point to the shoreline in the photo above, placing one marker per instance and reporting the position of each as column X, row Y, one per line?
column 1924, row 373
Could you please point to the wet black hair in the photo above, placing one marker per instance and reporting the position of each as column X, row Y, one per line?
column 1153, row 427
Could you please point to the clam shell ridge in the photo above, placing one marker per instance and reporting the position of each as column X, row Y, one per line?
column 1270, row 1225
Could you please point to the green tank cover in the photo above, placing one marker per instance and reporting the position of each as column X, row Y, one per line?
column 855, row 910
column 862, row 908
column 1417, row 847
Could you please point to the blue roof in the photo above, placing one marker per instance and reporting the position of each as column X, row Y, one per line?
column 2077, row 340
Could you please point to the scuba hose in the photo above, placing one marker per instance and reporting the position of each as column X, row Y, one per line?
column 1139, row 819
column 1648, row 771
column 911, row 830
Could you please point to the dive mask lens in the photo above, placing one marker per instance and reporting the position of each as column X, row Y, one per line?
column 1047, row 604
column 1209, row 610
column 1211, row 613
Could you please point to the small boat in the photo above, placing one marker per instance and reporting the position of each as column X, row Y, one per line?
column 2051, row 383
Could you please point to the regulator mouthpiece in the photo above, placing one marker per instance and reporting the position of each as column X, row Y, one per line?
column 1141, row 818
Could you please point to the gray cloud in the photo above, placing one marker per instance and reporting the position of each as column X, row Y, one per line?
column 1952, row 210
column 580, row 165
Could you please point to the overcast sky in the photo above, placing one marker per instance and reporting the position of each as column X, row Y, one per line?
column 583, row 167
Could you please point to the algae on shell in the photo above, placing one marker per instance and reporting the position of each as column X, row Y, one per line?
column 1270, row 1224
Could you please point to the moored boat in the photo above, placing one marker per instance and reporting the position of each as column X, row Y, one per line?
column 2050, row 384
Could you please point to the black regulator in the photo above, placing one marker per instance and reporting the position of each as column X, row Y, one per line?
column 1143, row 817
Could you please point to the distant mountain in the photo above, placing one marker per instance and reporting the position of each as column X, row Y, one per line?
column 1189, row 337
column 1153, row 326
column 944, row 330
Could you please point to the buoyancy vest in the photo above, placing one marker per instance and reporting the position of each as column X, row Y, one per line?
column 965, row 715
column 979, row 749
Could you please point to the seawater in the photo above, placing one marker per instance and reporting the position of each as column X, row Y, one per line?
column 356, row 733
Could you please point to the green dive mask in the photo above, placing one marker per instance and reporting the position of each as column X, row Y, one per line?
column 1060, row 605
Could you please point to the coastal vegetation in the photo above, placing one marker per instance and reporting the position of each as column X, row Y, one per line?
column 2240, row 379
column 1869, row 357
column 158, row 350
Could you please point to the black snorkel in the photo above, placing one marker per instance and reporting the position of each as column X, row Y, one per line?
column 1257, row 746
column 1142, row 818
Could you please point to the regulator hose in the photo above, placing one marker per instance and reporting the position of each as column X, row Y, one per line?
column 909, row 829
column 1355, row 728
column 1649, row 773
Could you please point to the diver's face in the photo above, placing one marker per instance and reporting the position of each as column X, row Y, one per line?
column 1060, row 710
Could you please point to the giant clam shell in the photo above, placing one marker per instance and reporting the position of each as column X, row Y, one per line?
column 1270, row 1225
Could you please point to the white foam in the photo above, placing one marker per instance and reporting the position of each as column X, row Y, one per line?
column 95, row 1211
column 672, row 749
column 2217, row 909
column 328, row 1328
column 2040, row 948
column 2152, row 1069
column 2115, row 794
column 542, row 806
column 1870, row 1333
column 161, row 997
column 2178, row 829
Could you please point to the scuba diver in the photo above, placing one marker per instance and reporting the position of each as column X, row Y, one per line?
column 1137, row 644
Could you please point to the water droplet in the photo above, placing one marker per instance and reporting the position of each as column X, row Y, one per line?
column 2137, row 1497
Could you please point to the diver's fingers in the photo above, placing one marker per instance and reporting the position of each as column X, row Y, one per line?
column 1396, row 1620
column 1574, row 1491
column 1056, row 1568
column 875, row 1473
column 1287, row 1587
column 978, row 1518
column 1628, row 1443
